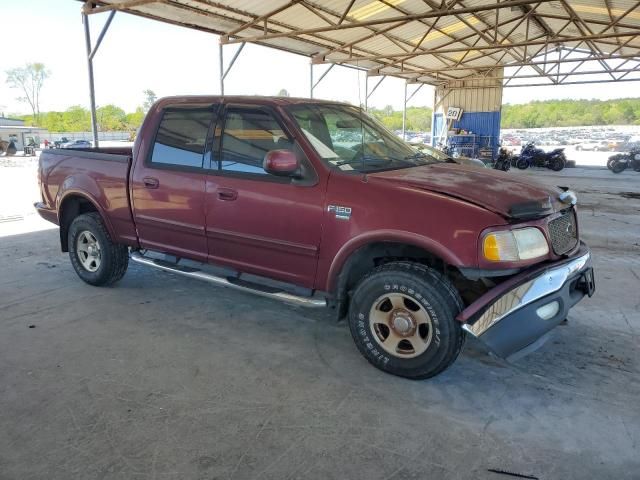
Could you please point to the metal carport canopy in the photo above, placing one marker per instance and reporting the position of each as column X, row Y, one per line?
column 436, row 42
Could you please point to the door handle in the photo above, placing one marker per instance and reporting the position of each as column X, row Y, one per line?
column 227, row 194
column 150, row 182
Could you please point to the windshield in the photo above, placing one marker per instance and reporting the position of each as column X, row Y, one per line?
column 348, row 139
column 434, row 152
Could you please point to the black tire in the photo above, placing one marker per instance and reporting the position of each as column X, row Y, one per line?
column 522, row 164
column 556, row 164
column 618, row 167
column 426, row 289
column 114, row 258
column 613, row 159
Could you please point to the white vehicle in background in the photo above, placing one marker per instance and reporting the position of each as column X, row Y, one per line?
column 594, row 146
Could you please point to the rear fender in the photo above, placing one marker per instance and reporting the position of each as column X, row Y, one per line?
column 66, row 195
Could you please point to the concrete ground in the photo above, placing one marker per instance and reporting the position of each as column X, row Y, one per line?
column 163, row 377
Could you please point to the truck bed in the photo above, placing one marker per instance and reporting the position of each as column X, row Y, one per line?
column 100, row 173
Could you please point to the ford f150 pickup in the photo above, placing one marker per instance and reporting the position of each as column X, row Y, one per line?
column 316, row 204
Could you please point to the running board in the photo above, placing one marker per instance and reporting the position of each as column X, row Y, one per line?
column 233, row 283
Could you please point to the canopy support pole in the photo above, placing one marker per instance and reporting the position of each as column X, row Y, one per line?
column 404, row 113
column 223, row 72
column 313, row 85
column 91, row 52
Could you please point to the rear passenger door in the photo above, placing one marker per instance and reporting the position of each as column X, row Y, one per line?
column 258, row 222
column 168, row 187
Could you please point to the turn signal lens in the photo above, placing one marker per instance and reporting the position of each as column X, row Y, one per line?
column 500, row 247
column 514, row 245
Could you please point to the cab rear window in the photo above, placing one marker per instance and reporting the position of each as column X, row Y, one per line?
column 182, row 137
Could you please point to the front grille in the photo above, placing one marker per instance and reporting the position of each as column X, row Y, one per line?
column 563, row 232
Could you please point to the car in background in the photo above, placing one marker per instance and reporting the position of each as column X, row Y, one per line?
column 628, row 146
column 446, row 158
column 594, row 146
column 60, row 142
column 511, row 141
column 77, row 144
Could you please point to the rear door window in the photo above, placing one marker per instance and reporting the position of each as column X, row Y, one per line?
column 182, row 138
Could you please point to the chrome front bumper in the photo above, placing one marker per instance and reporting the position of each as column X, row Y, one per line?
column 512, row 324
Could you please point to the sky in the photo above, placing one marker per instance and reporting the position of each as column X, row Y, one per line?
column 139, row 54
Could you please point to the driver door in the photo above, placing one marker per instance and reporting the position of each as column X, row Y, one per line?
column 257, row 222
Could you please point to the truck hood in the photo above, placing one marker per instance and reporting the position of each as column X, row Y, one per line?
column 497, row 191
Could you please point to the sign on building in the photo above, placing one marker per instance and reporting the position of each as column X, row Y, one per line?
column 454, row 113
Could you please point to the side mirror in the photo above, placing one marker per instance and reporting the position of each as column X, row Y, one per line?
column 283, row 163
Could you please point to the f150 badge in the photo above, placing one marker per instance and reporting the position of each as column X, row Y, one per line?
column 343, row 213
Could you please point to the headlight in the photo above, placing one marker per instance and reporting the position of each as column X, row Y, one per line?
column 514, row 245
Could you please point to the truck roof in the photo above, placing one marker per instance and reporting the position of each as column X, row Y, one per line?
column 247, row 98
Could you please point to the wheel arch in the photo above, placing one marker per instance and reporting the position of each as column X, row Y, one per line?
column 362, row 254
column 72, row 204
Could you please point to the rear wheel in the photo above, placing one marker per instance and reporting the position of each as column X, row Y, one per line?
column 95, row 257
column 556, row 164
column 402, row 319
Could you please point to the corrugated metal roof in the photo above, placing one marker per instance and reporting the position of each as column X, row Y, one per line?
column 414, row 39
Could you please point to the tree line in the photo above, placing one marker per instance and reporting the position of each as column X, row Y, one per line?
column 77, row 118
column 550, row 113
column 29, row 80
column 572, row 113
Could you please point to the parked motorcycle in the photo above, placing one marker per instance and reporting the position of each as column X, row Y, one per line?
column 621, row 161
column 503, row 161
column 530, row 155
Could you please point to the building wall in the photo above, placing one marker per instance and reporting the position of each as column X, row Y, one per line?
column 21, row 134
column 481, row 102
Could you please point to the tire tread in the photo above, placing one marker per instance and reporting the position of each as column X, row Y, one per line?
column 118, row 254
column 449, row 296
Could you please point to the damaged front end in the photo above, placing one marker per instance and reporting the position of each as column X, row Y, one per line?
column 515, row 317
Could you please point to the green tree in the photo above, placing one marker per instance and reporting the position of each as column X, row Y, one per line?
column 111, row 118
column 76, row 119
column 150, row 98
column 283, row 93
column 134, row 120
column 30, row 79
column 569, row 113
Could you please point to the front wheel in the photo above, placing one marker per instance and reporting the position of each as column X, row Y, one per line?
column 618, row 167
column 612, row 160
column 95, row 257
column 402, row 319
column 522, row 164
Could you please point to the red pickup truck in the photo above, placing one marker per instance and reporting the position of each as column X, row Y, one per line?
column 316, row 204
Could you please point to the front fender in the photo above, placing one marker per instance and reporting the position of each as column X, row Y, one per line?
column 381, row 236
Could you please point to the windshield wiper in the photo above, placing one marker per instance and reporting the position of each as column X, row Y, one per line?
column 427, row 159
column 364, row 159
column 415, row 155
